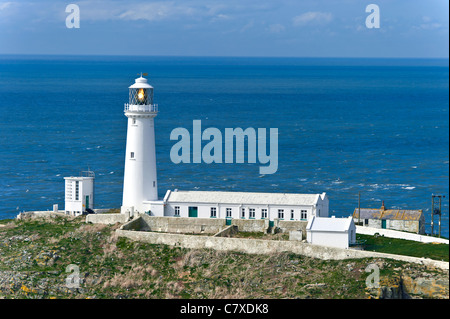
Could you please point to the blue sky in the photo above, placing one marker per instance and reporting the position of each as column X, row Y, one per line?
column 294, row 28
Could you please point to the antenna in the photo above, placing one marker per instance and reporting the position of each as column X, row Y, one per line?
column 143, row 74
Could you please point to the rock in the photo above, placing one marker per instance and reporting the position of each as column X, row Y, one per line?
column 426, row 287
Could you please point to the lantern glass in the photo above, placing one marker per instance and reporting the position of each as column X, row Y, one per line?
column 141, row 96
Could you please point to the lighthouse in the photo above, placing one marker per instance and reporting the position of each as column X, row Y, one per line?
column 140, row 185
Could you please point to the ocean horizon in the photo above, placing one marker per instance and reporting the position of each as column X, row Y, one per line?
column 345, row 125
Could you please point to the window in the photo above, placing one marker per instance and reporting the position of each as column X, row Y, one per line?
column 251, row 213
column 292, row 214
column 154, row 183
column 303, row 214
column 366, row 222
column 228, row 211
column 77, row 190
column 177, row 210
column 242, row 212
column 134, row 121
column 264, row 213
column 213, row 212
column 132, row 155
column 281, row 213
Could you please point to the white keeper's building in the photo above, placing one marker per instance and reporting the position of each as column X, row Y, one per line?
column 247, row 205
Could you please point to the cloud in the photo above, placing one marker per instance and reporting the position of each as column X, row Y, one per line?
column 429, row 24
column 5, row 5
column 312, row 18
column 276, row 28
column 157, row 11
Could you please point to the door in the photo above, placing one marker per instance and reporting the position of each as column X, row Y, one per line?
column 193, row 211
column 383, row 223
column 87, row 202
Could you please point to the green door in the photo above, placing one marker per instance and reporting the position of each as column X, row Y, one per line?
column 383, row 223
column 193, row 211
column 87, row 202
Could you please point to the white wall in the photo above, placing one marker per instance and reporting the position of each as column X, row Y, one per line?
column 204, row 210
column 322, row 207
column 330, row 239
column 140, row 179
column 85, row 188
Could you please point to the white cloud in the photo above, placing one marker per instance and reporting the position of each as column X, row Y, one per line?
column 5, row 5
column 312, row 18
column 276, row 28
column 157, row 11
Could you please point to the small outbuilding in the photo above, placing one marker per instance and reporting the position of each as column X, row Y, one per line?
column 332, row 232
column 79, row 194
column 397, row 219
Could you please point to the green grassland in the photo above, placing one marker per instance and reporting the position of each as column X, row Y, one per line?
column 35, row 254
column 405, row 247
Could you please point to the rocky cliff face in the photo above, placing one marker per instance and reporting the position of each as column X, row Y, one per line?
column 411, row 284
column 426, row 287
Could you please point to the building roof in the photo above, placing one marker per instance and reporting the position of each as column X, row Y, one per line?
column 380, row 213
column 244, row 198
column 329, row 224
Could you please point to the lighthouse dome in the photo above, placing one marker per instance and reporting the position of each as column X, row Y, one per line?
column 141, row 83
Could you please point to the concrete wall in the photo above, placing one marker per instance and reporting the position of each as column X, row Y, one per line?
column 106, row 218
column 202, row 225
column 41, row 214
column 228, row 232
column 182, row 224
column 291, row 225
column 259, row 246
column 251, row 225
column 212, row 225
column 398, row 234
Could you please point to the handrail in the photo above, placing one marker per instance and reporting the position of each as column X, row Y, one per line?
column 151, row 108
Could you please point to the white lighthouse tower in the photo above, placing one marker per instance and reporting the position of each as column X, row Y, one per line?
column 140, row 186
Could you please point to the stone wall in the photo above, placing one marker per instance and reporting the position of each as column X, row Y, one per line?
column 290, row 225
column 106, row 218
column 251, row 225
column 228, row 232
column 259, row 246
column 182, row 224
column 40, row 214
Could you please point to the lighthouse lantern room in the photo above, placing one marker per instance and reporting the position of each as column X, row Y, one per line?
column 140, row 186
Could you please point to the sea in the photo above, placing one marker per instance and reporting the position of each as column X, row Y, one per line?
column 346, row 126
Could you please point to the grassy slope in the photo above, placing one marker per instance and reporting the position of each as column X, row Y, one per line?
column 34, row 256
column 406, row 247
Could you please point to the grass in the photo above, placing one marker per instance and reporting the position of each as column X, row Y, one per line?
column 406, row 247
column 114, row 267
